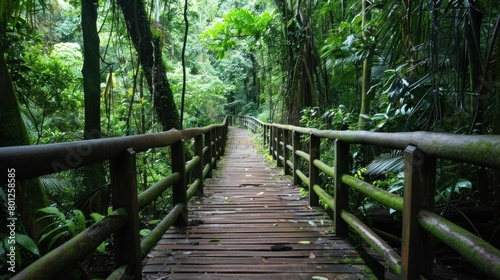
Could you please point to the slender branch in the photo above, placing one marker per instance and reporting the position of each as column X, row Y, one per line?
column 183, row 57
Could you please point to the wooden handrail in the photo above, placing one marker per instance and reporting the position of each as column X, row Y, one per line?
column 34, row 161
column 419, row 221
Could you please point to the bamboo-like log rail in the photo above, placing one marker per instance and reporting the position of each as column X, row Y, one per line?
column 418, row 219
column 33, row 161
column 462, row 240
column 71, row 251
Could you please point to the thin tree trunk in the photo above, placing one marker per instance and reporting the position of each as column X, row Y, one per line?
column 367, row 73
column 94, row 175
column 150, row 57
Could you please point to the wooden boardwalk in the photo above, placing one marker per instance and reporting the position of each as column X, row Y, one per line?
column 253, row 223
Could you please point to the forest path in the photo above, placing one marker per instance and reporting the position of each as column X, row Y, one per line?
column 253, row 223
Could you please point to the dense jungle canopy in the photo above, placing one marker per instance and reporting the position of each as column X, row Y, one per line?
column 73, row 70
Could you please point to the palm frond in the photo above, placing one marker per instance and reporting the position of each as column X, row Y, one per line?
column 52, row 184
column 387, row 162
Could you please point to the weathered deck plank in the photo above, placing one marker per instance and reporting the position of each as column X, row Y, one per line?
column 248, row 208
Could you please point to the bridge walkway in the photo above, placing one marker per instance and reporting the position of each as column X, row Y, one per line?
column 253, row 223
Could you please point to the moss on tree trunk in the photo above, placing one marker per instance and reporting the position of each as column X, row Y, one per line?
column 30, row 195
column 150, row 57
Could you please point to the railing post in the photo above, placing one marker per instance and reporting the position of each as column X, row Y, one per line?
column 314, row 179
column 279, row 149
column 296, row 158
column 179, row 192
column 207, row 159
column 272, row 142
column 285, row 152
column 342, row 158
column 215, row 150
column 123, row 175
column 264, row 140
column 222, row 146
column 198, row 169
column 419, row 188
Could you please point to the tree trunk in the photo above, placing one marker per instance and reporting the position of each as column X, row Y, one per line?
column 150, row 57
column 30, row 195
column 94, row 175
column 367, row 73
column 496, row 120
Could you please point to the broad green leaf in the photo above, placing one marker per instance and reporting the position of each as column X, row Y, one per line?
column 102, row 247
column 54, row 211
column 27, row 243
column 463, row 184
column 79, row 220
column 154, row 222
column 96, row 217
column 144, row 232
column 71, row 227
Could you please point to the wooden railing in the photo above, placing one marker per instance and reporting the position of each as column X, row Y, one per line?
column 419, row 221
column 123, row 223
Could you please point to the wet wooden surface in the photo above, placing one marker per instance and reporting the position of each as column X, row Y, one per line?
column 252, row 223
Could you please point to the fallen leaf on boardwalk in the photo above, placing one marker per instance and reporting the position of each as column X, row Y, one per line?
column 275, row 224
column 312, row 223
column 319, row 278
column 187, row 253
column 261, row 193
column 305, row 242
column 312, row 255
column 214, row 240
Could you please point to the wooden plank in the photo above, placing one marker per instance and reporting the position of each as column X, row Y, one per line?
column 252, row 268
column 222, row 256
column 186, row 259
column 267, row 276
column 252, row 223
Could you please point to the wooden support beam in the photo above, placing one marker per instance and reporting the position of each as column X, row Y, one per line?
column 207, row 159
column 279, row 148
column 286, row 153
column 127, row 250
column 419, row 187
column 272, row 142
column 296, row 158
column 179, row 192
column 198, row 169
column 314, row 179
column 342, row 159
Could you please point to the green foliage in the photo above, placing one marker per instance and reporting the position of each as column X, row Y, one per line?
column 204, row 96
column 64, row 226
column 22, row 245
column 61, row 226
column 237, row 24
column 47, row 82
column 332, row 119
